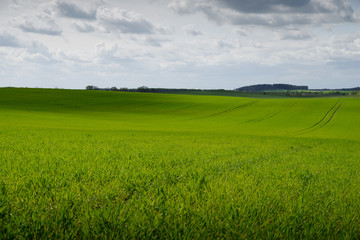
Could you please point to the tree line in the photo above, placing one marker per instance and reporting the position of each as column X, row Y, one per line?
column 270, row 87
column 143, row 89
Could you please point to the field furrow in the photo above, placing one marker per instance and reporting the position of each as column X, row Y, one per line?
column 333, row 114
column 231, row 109
column 324, row 120
column 270, row 115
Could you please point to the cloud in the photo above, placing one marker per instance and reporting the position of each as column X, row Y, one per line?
column 265, row 6
column 4, row 4
column 8, row 40
column 224, row 44
column 84, row 28
column 73, row 11
column 153, row 42
column 184, row 6
column 35, row 51
column 296, row 36
column 49, row 28
column 73, row 57
column 28, row 52
column 124, row 21
column 112, row 54
column 43, row 21
column 240, row 33
column 192, row 30
column 273, row 13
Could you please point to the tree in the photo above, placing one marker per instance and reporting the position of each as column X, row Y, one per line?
column 143, row 89
column 91, row 87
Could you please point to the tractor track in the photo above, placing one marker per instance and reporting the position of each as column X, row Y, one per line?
column 332, row 116
column 323, row 121
column 270, row 115
column 229, row 110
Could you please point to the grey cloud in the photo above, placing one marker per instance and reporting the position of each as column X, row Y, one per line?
column 165, row 30
column 73, row 11
column 289, row 6
column 37, row 47
column 49, row 29
column 296, row 36
column 3, row 4
column 153, row 42
column 345, row 10
column 84, row 28
column 264, row 6
column 269, row 12
column 8, row 40
column 183, row 6
column 344, row 64
column 112, row 54
column 241, row 33
column 209, row 8
column 214, row 14
column 37, row 52
column 192, row 30
column 274, row 20
column 124, row 21
column 224, row 44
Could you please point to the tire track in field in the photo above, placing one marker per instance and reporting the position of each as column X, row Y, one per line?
column 229, row 110
column 332, row 116
column 329, row 116
column 319, row 122
column 270, row 115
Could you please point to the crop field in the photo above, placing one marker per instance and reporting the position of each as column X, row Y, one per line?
column 80, row 164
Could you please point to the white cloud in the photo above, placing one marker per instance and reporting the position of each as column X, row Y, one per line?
column 240, row 33
column 357, row 43
column 296, row 35
column 41, row 21
column 112, row 54
column 192, row 30
column 153, row 42
column 116, row 19
column 84, row 27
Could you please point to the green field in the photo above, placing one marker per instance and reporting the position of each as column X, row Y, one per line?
column 97, row 165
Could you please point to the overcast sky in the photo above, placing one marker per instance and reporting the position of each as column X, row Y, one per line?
column 179, row 43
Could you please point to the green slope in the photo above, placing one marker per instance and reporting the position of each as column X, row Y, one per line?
column 111, row 165
column 71, row 109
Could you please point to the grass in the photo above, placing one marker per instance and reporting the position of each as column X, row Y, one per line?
column 95, row 165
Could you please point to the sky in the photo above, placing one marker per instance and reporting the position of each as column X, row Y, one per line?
column 206, row 44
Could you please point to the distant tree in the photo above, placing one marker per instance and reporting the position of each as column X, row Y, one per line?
column 113, row 88
column 124, row 89
column 91, row 87
column 270, row 87
column 143, row 89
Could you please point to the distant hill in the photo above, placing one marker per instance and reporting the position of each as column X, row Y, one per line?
column 338, row 89
column 254, row 91
column 270, row 87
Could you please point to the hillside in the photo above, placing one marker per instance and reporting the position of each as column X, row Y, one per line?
column 271, row 87
column 144, row 111
column 79, row 164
